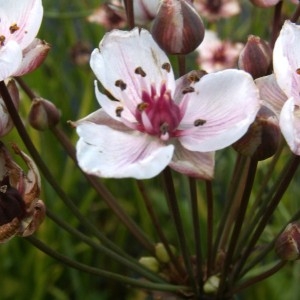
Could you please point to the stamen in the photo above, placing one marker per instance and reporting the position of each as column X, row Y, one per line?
column 188, row 89
column 121, row 84
column 193, row 76
column 167, row 67
column 164, row 128
column 2, row 39
column 119, row 110
column 13, row 28
column 142, row 106
column 140, row 71
column 298, row 71
column 199, row 122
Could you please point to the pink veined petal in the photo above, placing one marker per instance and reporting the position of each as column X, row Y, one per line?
column 193, row 163
column 106, row 152
column 119, row 55
column 10, row 59
column 226, row 102
column 145, row 10
column 271, row 94
column 26, row 14
column 290, row 125
column 33, row 57
column 286, row 59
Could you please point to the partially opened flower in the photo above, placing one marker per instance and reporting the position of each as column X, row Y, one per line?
column 214, row 10
column 20, row 53
column 21, row 211
column 215, row 54
column 281, row 90
column 151, row 121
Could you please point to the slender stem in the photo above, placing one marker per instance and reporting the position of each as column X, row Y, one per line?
column 276, row 23
column 181, row 64
column 238, row 224
column 157, row 226
column 196, row 227
column 173, row 205
column 123, row 258
column 294, row 18
column 210, row 221
column 130, row 13
column 258, row 278
column 288, row 176
column 102, row 273
column 111, row 202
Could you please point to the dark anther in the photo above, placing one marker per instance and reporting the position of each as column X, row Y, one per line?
column 140, row 71
column 121, row 84
column 199, row 122
column 298, row 71
column 13, row 28
column 188, row 89
column 119, row 110
column 142, row 106
column 167, row 67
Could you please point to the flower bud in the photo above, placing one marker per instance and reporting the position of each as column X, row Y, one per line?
column 162, row 253
column 264, row 3
column 177, row 28
column 288, row 243
column 256, row 57
column 43, row 114
column 150, row 263
column 262, row 138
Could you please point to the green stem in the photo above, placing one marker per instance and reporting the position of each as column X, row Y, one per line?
column 123, row 258
column 276, row 23
column 102, row 273
column 173, row 205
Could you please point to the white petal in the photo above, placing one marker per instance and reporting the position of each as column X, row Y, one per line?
column 120, row 53
column 10, row 59
column 26, row 14
column 145, row 10
column 270, row 92
column 192, row 163
column 106, row 152
column 290, row 125
column 286, row 59
column 227, row 102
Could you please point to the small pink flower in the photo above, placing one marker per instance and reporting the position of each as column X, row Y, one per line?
column 19, row 24
column 150, row 120
column 281, row 91
column 216, row 55
column 214, row 10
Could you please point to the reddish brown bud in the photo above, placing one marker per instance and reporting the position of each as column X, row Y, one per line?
column 177, row 28
column 262, row 138
column 43, row 114
column 288, row 243
column 256, row 57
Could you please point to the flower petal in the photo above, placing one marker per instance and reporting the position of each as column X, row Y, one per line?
column 130, row 62
column 290, row 125
column 219, row 111
column 192, row 163
column 286, row 60
column 26, row 14
column 106, row 152
column 10, row 59
column 271, row 93
column 33, row 57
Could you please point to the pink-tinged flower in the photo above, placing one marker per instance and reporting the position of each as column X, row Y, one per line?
column 216, row 55
column 6, row 123
column 19, row 24
column 150, row 120
column 21, row 212
column 281, row 91
column 214, row 10
column 145, row 10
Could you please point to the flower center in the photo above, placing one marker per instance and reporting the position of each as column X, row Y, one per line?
column 158, row 114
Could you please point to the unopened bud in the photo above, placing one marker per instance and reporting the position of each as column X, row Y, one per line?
column 288, row 243
column 177, row 28
column 162, row 253
column 264, row 3
column 43, row 114
column 256, row 57
column 262, row 138
column 150, row 263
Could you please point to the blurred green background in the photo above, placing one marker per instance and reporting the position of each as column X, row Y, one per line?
column 25, row 272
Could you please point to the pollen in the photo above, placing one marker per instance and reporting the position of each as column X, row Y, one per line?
column 188, row 89
column 119, row 110
column 140, row 71
column 121, row 84
column 199, row 122
column 142, row 106
column 298, row 71
column 13, row 28
column 2, row 39
column 167, row 67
